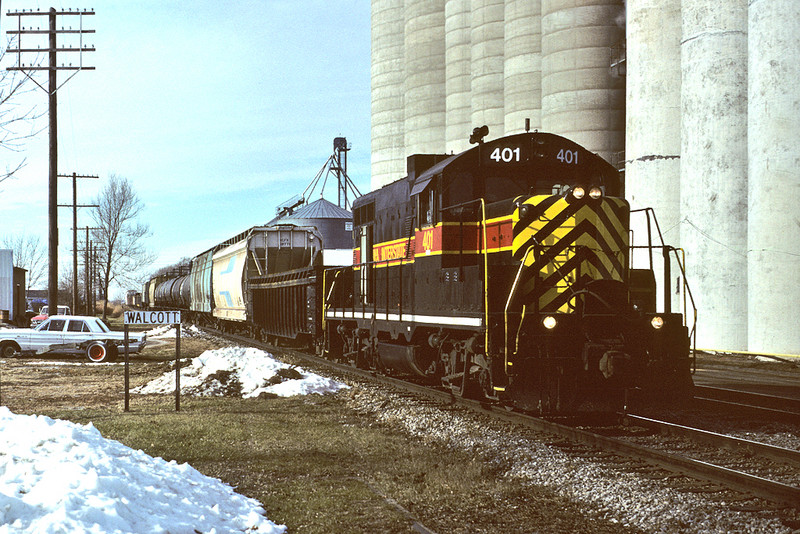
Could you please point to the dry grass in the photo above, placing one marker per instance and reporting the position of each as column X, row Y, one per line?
column 314, row 463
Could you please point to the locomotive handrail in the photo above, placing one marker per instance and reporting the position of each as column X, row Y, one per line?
column 508, row 303
column 485, row 247
column 485, row 252
column 327, row 297
column 650, row 212
column 688, row 290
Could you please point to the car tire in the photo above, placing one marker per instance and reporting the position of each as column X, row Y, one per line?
column 98, row 352
column 8, row 350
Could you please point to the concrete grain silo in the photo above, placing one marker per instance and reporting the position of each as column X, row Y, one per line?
column 774, row 171
column 714, row 167
column 486, row 37
column 522, row 68
column 707, row 123
column 581, row 100
column 458, row 75
column 653, row 125
column 387, row 74
column 424, row 87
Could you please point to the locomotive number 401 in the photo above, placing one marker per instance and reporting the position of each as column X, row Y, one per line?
column 509, row 155
column 569, row 157
column 506, row 155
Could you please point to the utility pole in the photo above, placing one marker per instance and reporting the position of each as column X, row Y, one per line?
column 87, row 269
column 52, row 68
column 95, row 281
column 75, row 207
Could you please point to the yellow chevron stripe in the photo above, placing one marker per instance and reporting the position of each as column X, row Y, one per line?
column 608, row 209
column 523, row 240
column 601, row 240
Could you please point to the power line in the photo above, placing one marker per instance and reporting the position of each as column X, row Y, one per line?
column 53, row 68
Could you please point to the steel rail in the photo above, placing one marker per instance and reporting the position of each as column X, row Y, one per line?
column 786, row 404
column 779, row 407
column 779, row 454
column 756, row 486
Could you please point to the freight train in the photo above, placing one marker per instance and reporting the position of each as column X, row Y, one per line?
column 504, row 272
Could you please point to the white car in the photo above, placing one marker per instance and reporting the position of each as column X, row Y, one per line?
column 70, row 334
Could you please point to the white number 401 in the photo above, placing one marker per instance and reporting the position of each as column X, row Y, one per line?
column 506, row 155
column 568, row 156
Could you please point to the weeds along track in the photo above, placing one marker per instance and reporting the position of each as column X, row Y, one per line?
column 712, row 461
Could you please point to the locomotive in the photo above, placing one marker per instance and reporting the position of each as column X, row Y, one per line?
column 504, row 272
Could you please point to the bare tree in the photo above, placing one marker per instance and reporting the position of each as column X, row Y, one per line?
column 182, row 265
column 122, row 254
column 17, row 123
column 30, row 255
column 65, row 284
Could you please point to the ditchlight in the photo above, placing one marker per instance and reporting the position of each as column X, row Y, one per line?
column 549, row 322
column 579, row 192
column 657, row 322
column 595, row 193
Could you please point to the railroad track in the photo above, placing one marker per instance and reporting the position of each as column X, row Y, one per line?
column 753, row 485
column 759, row 404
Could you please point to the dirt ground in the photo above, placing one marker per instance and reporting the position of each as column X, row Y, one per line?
column 49, row 382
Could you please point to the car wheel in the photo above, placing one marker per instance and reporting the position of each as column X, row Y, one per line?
column 8, row 350
column 97, row 352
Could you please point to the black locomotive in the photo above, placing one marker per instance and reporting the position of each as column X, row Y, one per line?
column 504, row 271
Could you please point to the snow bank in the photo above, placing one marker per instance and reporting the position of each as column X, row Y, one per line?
column 241, row 371
column 56, row 476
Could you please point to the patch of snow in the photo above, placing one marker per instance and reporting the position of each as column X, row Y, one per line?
column 57, row 476
column 170, row 332
column 247, row 371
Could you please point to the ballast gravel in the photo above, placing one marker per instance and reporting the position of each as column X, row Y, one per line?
column 616, row 494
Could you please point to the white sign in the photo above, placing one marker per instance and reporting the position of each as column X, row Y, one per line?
column 152, row 317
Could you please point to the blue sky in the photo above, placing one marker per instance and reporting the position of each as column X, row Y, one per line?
column 215, row 111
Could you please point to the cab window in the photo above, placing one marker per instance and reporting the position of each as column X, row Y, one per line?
column 428, row 206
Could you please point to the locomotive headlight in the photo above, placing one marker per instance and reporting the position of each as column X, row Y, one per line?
column 579, row 192
column 595, row 193
column 657, row 322
column 549, row 322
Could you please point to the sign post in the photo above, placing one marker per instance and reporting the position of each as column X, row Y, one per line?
column 155, row 318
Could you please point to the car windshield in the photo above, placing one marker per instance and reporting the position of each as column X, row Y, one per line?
column 102, row 326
